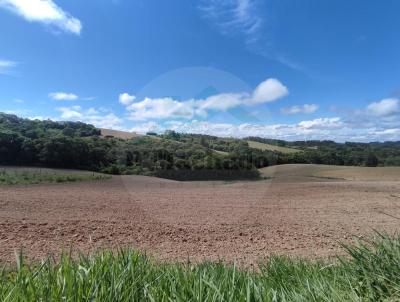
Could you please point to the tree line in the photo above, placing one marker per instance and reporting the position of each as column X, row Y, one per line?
column 80, row 146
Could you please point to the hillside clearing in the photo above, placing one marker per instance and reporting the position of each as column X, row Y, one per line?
column 262, row 146
column 220, row 152
column 118, row 134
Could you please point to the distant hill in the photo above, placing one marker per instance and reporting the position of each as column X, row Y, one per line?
column 81, row 146
column 118, row 134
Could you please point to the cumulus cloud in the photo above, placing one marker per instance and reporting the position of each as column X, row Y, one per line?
column 6, row 66
column 91, row 116
column 70, row 113
column 305, row 109
column 163, row 108
column 385, row 107
column 44, row 11
column 269, row 91
column 126, row 99
column 63, row 96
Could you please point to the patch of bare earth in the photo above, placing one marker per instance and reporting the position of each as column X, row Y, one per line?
column 240, row 221
column 118, row 134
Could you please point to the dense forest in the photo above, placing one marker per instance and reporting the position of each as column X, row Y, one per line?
column 81, row 146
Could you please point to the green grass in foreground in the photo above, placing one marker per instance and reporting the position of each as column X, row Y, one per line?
column 370, row 273
column 35, row 177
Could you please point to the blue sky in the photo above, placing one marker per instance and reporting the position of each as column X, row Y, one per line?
column 287, row 69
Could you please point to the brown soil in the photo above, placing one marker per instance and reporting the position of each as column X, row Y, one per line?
column 239, row 221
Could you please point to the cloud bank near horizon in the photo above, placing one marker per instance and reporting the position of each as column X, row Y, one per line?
column 377, row 121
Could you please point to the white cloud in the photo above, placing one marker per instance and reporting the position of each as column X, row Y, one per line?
column 305, row 109
column 44, row 11
column 164, row 108
column 91, row 116
column 245, row 18
column 269, row 91
column 126, row 99
column 70, row 113
column 222, row 102
column 231, row 16
column 6, row 66
column 63, row 96
column 391, row 132
column 108, row 121
column 161, row 108
column 323, row 123
column 92, row 111
column 385, row 107
column 146, row 127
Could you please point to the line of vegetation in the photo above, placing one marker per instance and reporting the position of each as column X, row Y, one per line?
column 332, row 153
column 81, row 146
column 34, row 177
column 369, row 273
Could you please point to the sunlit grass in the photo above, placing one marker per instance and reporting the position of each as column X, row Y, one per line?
column 369, row 273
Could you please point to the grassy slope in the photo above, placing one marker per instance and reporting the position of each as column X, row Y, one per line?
column 370, row 273
column 339, row 172
column 262, row 146
column 221, row 152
